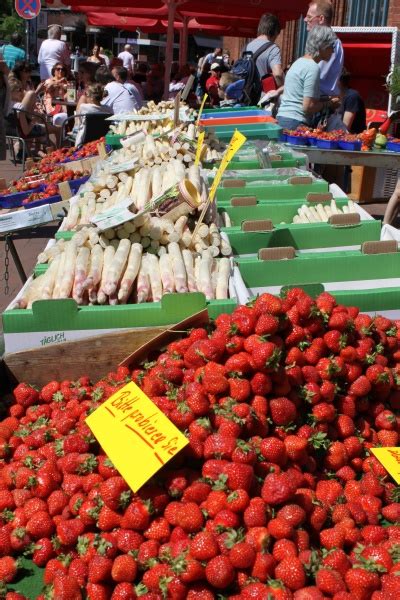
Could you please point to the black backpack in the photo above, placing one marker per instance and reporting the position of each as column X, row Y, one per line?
column 246, row 68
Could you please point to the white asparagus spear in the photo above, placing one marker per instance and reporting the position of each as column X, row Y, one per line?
column 107, row 260
column 166, row 273
column 315, row 213
column 188, row 260
column 225, row 248
column 227, row 219
column 94, row 274
column 81, row 271
column 204, row 283
column 50, row 253
column 59, row 275
column 224, row 268
column 117, row 267
column 69, row 271
column 155, row 277
column 143, row 282
column 50, row 278
column 178, row 267
column 321, row 213
column 334, row 208
column 131, row 271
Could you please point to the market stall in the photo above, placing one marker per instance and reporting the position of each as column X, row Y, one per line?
column 244, row 408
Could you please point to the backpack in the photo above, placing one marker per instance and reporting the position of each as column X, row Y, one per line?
column 246, row 68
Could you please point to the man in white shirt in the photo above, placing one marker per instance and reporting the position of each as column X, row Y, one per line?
column 104, row 57
column 127, row 59
column 122, row 96
column 52, row 51
column 320, row 12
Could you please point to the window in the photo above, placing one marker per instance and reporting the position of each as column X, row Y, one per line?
column 368, row 13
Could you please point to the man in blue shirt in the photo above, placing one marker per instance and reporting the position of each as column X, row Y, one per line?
column 321, row 13
column 13, row 52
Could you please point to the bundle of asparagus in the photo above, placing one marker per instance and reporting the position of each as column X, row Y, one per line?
column 321, row 213
column 94, row 273
column 105, row 191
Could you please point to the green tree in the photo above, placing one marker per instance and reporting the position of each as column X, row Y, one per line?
column 10, row 22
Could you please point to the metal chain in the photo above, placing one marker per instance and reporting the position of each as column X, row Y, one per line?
column 6, row 267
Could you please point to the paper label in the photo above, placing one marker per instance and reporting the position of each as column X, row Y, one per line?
column 26, row 218
column 137, row 437
column 237, row 141
column 201, row 108
column 200, row 143
column 125, row 166
column 117, row 215
column 390, row 459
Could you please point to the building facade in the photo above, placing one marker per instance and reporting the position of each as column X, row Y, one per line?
column 351, row 13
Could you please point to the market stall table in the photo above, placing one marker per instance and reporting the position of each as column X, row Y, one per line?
column 376, row 159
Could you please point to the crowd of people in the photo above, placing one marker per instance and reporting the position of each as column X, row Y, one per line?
column 315, row 84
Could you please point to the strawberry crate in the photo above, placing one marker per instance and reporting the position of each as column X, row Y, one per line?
column 335, row 272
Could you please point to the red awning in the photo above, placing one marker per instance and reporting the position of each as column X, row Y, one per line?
column 285, row 9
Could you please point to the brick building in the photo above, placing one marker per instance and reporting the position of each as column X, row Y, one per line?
column 373, row 13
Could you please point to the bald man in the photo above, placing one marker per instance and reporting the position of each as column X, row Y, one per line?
column 127, row 59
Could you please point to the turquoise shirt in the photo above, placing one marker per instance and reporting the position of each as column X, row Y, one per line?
column 12, row 54
column 301, row 81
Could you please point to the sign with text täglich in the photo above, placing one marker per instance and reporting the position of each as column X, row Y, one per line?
column 136, row 435
column 390, row 459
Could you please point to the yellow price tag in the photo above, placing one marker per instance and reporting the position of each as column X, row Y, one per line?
column 137, row 437
column 201, row 108
column 390, row 459
column 237, row 141
column 200, row 143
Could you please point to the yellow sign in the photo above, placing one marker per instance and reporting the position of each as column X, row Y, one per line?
column 200, row 143
column 201, row 108
column 390, row 459
column 237, row 141
column 137, row 437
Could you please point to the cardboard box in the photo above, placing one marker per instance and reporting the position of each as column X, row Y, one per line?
column 55, row 321
column 293, row 188
column 303, row 236
column 334, row 272
column 278, row 212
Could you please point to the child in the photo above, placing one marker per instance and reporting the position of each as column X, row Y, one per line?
column 230, row 90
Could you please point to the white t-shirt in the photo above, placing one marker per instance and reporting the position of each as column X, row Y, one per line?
column 50, row 53
column 122, row 97
column 89, row 109
column 127, row 60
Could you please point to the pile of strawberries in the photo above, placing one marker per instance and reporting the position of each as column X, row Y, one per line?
column 276, row 496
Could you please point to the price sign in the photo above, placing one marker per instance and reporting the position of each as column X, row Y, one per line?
column 199, row 149
column 237, row 141
column 390, row 459
column 137, row 437
column 117, row 215
column 201, row 108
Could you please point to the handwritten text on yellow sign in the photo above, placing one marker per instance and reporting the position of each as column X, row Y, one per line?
column 237, row 141
column 137, row 437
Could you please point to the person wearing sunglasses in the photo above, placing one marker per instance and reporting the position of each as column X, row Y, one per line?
column 321, row 13
column 54, row 87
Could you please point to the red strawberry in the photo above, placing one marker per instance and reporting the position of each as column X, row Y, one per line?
column 8, row 569
column 278, row 488
column 25, row 395
column 220, row 572
column 124, row 568
column 291, row 572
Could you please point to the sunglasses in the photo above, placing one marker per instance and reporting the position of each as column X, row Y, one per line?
column 60, row 69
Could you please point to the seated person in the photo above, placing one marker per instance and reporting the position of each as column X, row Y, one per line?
column 93, row 106
column 230, row 90
column 352, row 109
column 30, row 126
column 54, row 87
column 213, row 82
column 121, row 96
